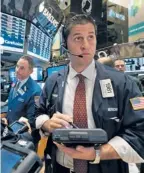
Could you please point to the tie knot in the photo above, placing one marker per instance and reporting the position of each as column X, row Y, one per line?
column 18, row 84
column 81, row 77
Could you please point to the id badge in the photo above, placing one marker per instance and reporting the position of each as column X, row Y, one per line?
column 106, row 88
column 21, row 92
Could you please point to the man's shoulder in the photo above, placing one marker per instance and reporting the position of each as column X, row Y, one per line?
column 54, row 77
column 113, row 73
column 34, row 86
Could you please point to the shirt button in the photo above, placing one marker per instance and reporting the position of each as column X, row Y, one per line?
column 10, row 110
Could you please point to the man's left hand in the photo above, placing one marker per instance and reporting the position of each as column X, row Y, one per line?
column 80, row 152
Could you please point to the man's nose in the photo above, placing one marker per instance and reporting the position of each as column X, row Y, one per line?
column 85, row 44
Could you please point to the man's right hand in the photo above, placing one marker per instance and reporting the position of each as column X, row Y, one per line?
column 57, row 121
column 4, row 120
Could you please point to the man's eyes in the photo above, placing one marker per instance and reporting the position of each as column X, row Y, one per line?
column 90, row 37
column 19, row 67
column 78, row 38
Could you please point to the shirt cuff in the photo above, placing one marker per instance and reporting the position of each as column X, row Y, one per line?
column 125, row 151
column 40, row 120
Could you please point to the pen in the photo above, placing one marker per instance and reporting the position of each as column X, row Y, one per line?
column 73, row 125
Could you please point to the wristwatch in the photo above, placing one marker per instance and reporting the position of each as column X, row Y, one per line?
column 97, row 157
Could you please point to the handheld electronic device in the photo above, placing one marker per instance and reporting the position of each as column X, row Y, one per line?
column 18, row 127
column 17, row 159
column 74, row 137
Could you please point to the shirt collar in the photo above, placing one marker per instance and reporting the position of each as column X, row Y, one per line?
column 22, row 82
column 87, row 72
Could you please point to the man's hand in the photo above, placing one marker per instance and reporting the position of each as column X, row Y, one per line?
column 5, row 121
column 25, row 120
column 107, row 152
column 80, row 152
column 57, row 121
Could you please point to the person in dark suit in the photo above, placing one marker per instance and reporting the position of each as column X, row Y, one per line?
column 109, row 104
column 119, row 64
column 23, row 93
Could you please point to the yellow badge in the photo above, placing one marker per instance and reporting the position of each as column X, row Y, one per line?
column 137, row 103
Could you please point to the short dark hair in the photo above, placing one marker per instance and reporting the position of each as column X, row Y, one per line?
column 29, row 60
column 74, row 19
column 118, row 59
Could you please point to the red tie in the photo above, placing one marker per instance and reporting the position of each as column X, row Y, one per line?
column 80, row 118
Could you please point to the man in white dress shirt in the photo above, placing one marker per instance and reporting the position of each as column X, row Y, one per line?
column 117, row 110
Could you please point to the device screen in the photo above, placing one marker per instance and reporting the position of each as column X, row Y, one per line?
column 9, row 160
column 16, row 127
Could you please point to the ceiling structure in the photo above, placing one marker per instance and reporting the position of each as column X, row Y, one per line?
column 65, row 7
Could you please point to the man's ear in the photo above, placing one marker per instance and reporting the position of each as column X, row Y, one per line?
column 31, row 71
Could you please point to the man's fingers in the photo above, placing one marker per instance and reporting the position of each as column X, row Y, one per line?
column 67, row 118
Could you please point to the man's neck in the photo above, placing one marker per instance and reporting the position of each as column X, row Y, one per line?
column 79, row 67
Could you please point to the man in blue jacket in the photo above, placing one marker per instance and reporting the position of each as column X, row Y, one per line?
column 24, row 92
column 113, row 102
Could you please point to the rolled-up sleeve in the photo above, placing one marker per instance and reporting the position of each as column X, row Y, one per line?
column 125, row 151
column 40, row 120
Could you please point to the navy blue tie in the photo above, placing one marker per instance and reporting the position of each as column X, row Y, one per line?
column 15, row 89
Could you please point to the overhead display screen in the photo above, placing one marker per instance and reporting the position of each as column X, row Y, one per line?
column 12, row 75
column 37, row 74
column 50, row 26
column 39, row 44
column 12, row 33
column 55, row 69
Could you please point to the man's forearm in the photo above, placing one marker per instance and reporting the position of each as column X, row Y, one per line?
column 45, row 126
column 107, row 152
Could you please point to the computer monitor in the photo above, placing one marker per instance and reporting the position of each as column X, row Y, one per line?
column 37, row 74
column 6, row 87
column 39, row 44
column 12, row 75
column 12, row 33
column 54, row 69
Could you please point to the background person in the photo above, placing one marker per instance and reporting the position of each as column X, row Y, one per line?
column 23, row 94
column 112, row 111
column 120, row 66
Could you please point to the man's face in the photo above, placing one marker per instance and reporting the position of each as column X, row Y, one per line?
column 82, row 41
column 22, row 69
column 119, row 65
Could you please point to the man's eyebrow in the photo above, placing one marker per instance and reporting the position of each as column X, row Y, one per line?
column 92, row 32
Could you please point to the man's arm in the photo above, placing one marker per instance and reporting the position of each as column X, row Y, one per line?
column 129, row 142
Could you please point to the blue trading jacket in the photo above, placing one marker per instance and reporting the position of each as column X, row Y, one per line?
column 23, row 103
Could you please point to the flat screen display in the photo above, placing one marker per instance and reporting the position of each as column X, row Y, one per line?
column 52, row 70
column 37, row 74
column 9, row 160
column 47, row 25
column 12, row 33
column 39, row 44
column 12, row 75
column 16, row 126
column 6, row 87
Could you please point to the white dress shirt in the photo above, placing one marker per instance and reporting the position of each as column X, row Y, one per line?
column 22, row 82
column 125, row 151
